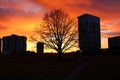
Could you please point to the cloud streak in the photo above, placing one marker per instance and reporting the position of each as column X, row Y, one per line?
column 3, row 27
column 21, row 8
column 106, row 5
column 110, row 32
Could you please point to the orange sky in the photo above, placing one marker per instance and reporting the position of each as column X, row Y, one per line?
column 21, row 16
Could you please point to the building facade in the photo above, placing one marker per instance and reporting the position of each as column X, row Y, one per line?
column 89, row 32
column 14, row 44
column 40, row 47
column 114, row 42
column 0, row 44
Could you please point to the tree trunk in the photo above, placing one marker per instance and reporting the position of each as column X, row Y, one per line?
column 60, row 57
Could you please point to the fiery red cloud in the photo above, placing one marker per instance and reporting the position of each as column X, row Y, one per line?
column 21, row 16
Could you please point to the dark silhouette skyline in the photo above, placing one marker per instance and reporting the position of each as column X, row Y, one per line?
column 22, row 16
column 16, row 16
column 89, row 38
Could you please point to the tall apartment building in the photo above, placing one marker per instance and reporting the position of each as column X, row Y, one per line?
column 89, row 32
column 14, row 44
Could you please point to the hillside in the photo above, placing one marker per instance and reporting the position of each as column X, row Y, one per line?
column 44, row 67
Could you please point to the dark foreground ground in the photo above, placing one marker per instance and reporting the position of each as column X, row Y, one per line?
column 45, row 67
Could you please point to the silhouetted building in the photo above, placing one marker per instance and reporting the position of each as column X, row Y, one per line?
column 114, row 45
column 40, row 47
column 89, row 32
column 0, row 45
column 14, row 44
column 114, row 42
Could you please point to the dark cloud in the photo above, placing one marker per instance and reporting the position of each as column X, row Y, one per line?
column 107, row 2
column 106, row 5
column 102, row 6
column 8, row 12
column 19, row 8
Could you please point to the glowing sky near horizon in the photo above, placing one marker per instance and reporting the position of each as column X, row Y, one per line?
column 21, row 16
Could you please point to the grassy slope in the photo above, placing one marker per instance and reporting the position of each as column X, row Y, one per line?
column 36, row 67
column 100, row 68
column 49, row 68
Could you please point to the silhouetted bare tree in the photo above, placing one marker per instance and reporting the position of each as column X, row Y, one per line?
column 58, row 31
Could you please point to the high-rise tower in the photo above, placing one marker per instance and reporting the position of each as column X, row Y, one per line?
column 89, row 32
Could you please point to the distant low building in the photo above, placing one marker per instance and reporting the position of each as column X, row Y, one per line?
column 0, row 44
column 14, row 44
column 40, row 47
column 114, row 45
column 114, row 42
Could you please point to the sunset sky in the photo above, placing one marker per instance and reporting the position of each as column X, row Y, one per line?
column 21, row 16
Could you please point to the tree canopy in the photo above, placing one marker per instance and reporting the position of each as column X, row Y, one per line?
column 58, row 31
